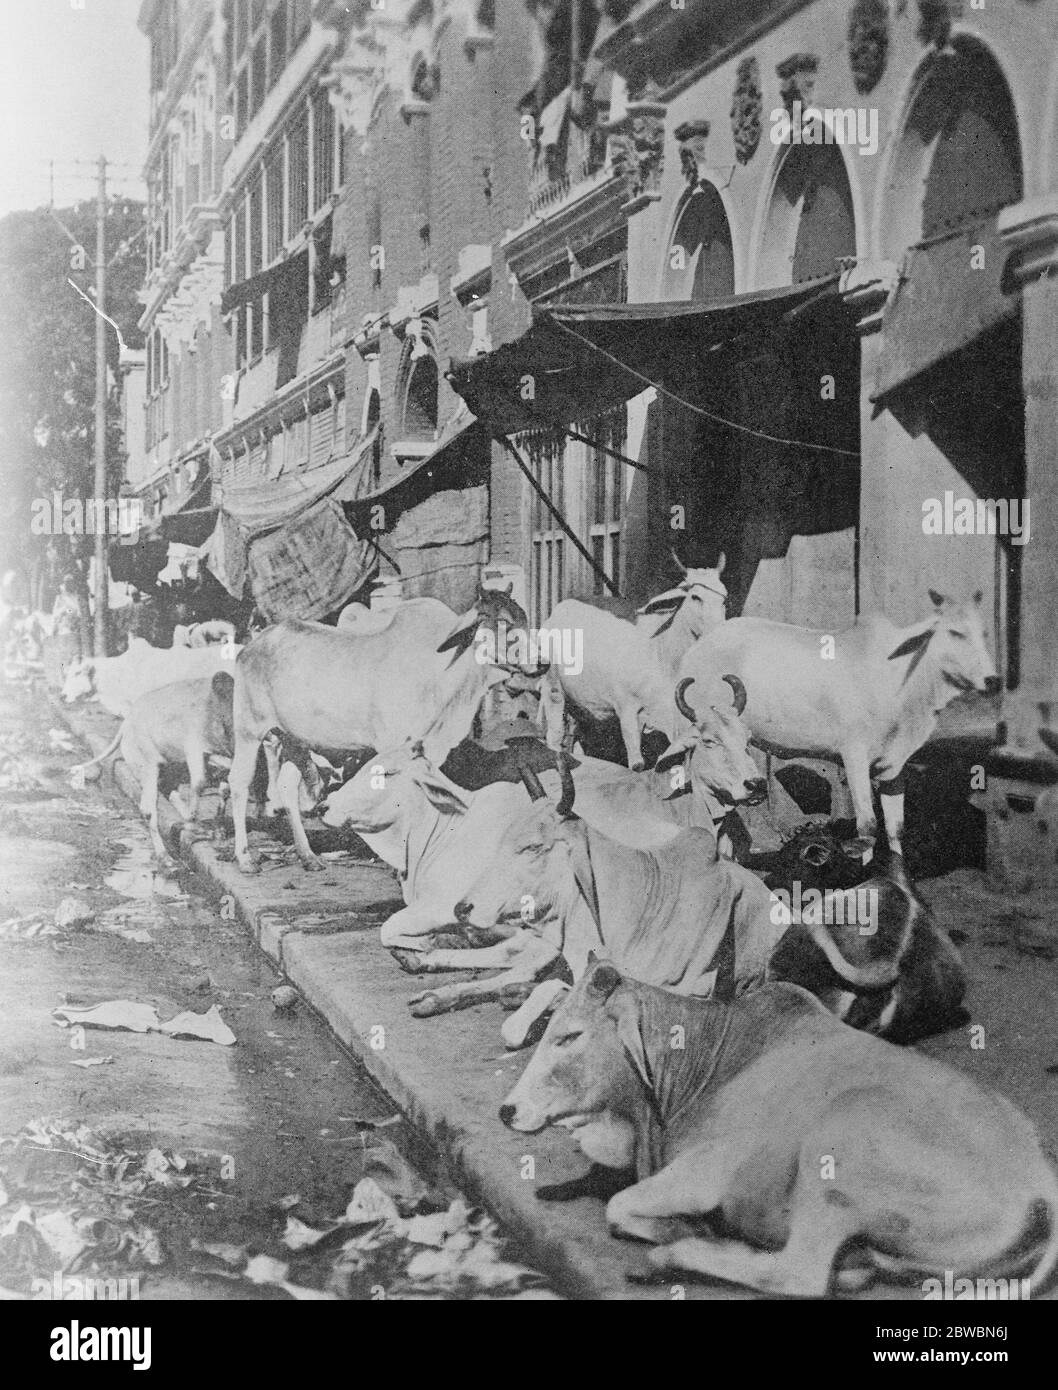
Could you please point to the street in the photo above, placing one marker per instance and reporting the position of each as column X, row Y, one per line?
column 274, row 1133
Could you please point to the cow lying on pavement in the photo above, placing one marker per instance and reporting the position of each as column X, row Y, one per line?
column 871, row 705
column 419, row 678
column 804, row 1156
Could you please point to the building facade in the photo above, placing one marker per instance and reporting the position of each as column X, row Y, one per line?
column 346, row 198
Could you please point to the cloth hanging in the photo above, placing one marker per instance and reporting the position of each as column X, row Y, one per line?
column 310, row 567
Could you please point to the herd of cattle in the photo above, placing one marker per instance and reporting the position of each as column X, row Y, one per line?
column 707, row 1044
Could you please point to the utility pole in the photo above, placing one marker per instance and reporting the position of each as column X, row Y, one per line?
column 100, row 492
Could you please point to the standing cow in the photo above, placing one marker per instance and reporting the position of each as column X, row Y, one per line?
column 420, row 678
column 628, row 669
column 869, row 696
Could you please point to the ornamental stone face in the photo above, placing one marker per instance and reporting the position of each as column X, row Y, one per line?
column 746, row 108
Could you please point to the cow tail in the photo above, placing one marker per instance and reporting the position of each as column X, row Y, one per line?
column 101, row 757
column 1048, row 1261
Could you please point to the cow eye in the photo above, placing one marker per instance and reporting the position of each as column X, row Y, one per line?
column 961, row 635
column 567, row 1038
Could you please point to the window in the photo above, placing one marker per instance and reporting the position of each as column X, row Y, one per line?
column 322, row 150
column 279, row 43
column 242, row 102
column 548, row 556
column 299, row 173
column 256, row 310
column 258, row 76
column 301, row 22
column 239, row 268
column 256, row 203
column 606, row 495
column 274, row 194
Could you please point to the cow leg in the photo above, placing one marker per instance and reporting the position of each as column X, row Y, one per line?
column 857, row 771
column 497, row 957
column 892, row 797
column 240, row 776
column 691, row 1185
column 543, row 1000
column 803, row 1268
column 273, row 763
column 149, row 810
column 196, row 770
column 632, row 736
column 288, row 786
column 405, row 929
column 536, row 955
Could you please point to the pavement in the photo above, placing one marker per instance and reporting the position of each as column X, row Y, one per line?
column 449, row 1074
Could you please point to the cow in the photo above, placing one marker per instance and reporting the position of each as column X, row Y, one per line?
column 422, row 678
column 441, row 828
column 868, row 696
column 118, row 681
column 676, row 914
column 204, row 634
column 802, row 1157
column 875, row 956
column 627, row 670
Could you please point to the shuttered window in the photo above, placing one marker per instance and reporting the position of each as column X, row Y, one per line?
column 299, row 173
column 256, row 202
column 274, row 194
column 322, row 149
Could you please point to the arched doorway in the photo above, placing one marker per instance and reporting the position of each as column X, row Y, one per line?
column 700, row 263
column 950, row 365
column 792, row 529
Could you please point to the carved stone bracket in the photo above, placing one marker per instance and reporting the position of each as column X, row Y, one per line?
column 868, row 42
column 637, row 151
column 797, row 78
column 691, row 137
column 747, row 104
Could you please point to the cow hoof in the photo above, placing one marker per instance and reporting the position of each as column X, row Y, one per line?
column 638, row 765
column 249, row 866
column 513, row 996
column 427, row 1005
column 313, row 865
column 409, row 961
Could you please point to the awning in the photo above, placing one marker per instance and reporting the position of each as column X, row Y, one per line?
column 462, row 438
column 260, row 506
column 578, row 361
column 193, row 523
column 951, row 291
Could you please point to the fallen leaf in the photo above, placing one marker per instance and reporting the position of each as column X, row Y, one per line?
column 92, row 1062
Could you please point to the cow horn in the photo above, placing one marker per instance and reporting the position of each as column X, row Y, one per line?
column 681, row 699
column 679, row 563
column 569, row 790
column 533, row 785
column 736, row 685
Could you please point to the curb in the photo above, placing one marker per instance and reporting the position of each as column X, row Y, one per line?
column 448, row 1074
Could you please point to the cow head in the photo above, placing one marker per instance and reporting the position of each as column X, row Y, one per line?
column 700, row 600
column 716, row 746
column 589, row 1064
column 955, row 641
column 498, row 628
column 387, row 793
column 80, row 680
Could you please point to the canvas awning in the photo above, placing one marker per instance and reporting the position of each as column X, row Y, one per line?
column 261, row 506
column 463, row 437
column 951, row 291
column 579, row 361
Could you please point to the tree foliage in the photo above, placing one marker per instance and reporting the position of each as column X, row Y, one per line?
column 47, row 360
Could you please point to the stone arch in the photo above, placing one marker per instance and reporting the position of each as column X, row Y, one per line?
column 700, row 261
column 418, row 386
column 809, row 216
column 957, row 153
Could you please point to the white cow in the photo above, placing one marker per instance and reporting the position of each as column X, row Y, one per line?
column 628, row 669
column 869, row 695
column 118, row 681
column 423, row 677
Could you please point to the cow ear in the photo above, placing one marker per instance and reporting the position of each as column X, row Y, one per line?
column 721, row 563
column 461, row 638
column 664, row 603
column 675, row 753
column 624, row 1011
column 912, row 644
column 937, row 599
